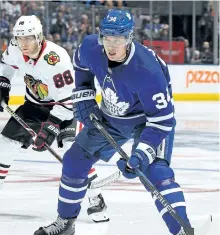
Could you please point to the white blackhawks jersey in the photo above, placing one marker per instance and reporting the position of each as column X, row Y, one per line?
column 48, row 79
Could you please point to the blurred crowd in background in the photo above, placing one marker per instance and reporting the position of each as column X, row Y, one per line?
column 67, row 23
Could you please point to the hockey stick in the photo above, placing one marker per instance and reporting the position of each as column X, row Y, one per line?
column 27, row 128
column 105, row 181
column 94, row 184
column 186, row 229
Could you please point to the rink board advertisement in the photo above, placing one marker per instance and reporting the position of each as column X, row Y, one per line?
column 189, row 82
column 162, row 48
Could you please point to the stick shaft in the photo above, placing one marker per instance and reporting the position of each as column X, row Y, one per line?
column 96, row 184
column 26, row 127
column 188, row 230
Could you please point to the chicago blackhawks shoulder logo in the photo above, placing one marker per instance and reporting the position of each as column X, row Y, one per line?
column 39, row 89
column 52, row 58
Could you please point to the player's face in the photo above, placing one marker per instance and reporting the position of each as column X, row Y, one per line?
column 28, row 45
column 115, row 47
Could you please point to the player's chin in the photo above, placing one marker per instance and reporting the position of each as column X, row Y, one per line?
column 112, row 56
column 25, row 52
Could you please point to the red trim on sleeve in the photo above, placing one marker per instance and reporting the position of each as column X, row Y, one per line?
column 13, row 66
column 92, row 170
column 80, row 126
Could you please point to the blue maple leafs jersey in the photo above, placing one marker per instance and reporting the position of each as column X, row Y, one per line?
column 135, row 92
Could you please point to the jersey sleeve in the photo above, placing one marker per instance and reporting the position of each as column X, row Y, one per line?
column 83, row 75
column 155, row 97
column 60, row 87
column 8, row 63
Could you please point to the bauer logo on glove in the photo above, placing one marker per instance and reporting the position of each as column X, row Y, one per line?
column 82, row 95
column 54, row 129
column 4, row 84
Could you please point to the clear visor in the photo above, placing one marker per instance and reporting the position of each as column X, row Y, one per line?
column 115, row 41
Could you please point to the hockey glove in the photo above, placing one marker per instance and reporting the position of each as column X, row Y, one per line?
column 5, row 87
column 84, row 104
column 47, row 134
column 139, row 159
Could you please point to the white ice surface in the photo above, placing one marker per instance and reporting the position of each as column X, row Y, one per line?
column 29, row 197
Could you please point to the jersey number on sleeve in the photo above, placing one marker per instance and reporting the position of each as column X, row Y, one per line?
column 60, row 80
column 161, row 100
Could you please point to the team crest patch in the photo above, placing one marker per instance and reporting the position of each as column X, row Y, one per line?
column 52, row 58
column 39, row 89
column 113, row 104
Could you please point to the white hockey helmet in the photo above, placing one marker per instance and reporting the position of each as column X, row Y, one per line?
column 29, row 25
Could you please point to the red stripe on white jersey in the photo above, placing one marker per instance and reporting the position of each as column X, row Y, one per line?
column 15, row 67
column 79, row 127
column 3, row 172
column 92, row 172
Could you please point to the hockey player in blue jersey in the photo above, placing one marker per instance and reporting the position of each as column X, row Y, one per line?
column 136, row 104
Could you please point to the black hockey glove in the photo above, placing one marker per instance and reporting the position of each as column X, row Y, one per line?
column 84, row 104
column 5, row 87
column 47, row 134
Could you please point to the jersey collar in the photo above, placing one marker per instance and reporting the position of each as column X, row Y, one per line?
column 131, row 54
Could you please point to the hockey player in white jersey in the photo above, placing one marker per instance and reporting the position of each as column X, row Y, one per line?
column 48, row 75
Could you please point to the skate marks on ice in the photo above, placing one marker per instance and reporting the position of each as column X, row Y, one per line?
column 16, row 217
column 27, row 225
column 29, row 198
column 85, row 227
column 23, row 213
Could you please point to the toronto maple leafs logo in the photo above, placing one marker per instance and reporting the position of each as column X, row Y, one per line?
column 110, row 100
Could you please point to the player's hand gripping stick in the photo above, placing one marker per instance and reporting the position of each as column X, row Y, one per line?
column 94, row 184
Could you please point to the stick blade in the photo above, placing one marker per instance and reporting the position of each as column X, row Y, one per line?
column 106, row 181
column 203, row 230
